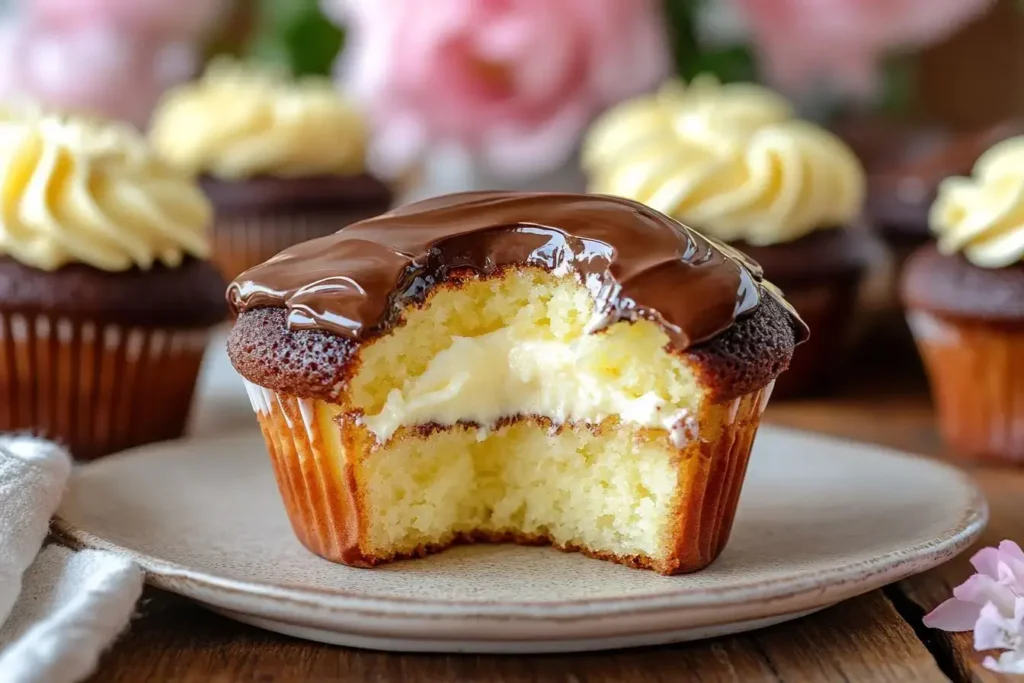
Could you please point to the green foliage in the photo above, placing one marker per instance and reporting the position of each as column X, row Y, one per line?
column 730, row 63
column 898, row 76
column 294, row 34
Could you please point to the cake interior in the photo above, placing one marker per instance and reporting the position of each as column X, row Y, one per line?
column 492, row 413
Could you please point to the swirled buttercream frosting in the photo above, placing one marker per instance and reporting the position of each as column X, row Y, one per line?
column 982, row 216
column 731, row 160
column 80, row 190
column 238, row 122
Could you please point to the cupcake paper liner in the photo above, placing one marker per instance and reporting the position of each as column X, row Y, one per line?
column 976, row 371
column 98, row 388
column 714, row 467
column 241, row 242
column 318, row 490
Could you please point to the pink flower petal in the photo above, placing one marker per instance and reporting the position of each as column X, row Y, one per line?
column 400, row 143
column 978, row 589
column 986, row 561
column 178, row 20
column 953, row 615
column 1011, row 573
column 522, row 152
column 1011, row 549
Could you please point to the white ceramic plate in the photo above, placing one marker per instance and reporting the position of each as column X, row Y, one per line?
column 820, row 521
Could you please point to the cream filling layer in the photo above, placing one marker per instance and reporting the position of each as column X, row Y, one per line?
column 485, row 378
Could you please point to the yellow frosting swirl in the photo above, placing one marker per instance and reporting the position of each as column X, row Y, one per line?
column 77, row 190
column 983, row 216
column 729, row 160
column 237, row 122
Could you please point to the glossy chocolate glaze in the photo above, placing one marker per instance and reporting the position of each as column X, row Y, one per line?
column 636, row 262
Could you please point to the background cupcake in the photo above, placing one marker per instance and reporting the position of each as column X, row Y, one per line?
column 734, row 163
column 106, row 300
column 282, row 160
column 905, row 169
column 965, row 305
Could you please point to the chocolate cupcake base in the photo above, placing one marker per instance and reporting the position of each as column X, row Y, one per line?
column 241, row 242
column 102, row 361
column 259, row 217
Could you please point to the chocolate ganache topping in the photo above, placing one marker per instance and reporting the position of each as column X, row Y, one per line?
column 636, row 262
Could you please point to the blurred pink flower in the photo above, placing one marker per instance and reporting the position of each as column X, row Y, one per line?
column 992, row 603
column 802, row 40
column 95, row 68
column 112, row 58
column 168, row 19
column 513, row 81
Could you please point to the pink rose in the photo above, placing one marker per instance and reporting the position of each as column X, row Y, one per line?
column 95, row 69
column 803, row 40
column 513, row 81
column 112, row 58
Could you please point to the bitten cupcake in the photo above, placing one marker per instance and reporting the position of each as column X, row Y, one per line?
column 732, row 162
column 965, row 304
column 106, row 299
column 494, row 366
column 282, row 160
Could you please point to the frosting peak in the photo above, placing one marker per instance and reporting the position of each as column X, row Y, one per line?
column 730, row 159
column 78, row 190
column 636, row 263
column 237, row 122
column 983, row 216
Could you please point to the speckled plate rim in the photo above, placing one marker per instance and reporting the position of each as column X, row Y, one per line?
column 704, row 607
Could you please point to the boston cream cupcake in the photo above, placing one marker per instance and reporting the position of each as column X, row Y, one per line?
column 965, row 305
column 564, row 369
column 734, row 163
column 105, row 297
column 283, row 161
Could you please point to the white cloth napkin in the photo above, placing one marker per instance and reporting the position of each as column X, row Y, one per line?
column 59, row 609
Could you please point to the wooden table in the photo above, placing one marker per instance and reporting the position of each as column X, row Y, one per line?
column 877, row 637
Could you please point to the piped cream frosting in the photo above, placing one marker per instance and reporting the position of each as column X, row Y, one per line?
column 982, row 216
column 238, row 122
column 77, row 190
column 730, row 160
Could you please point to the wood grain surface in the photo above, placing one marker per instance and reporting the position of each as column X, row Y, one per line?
column 877, row 637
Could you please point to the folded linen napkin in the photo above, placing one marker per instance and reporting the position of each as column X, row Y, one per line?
column 58, row 609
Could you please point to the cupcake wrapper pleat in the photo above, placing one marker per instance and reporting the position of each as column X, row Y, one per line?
column 316, row 489
column 715, row 466
column 319, row 491
column 977, row 378
column 97, row 388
